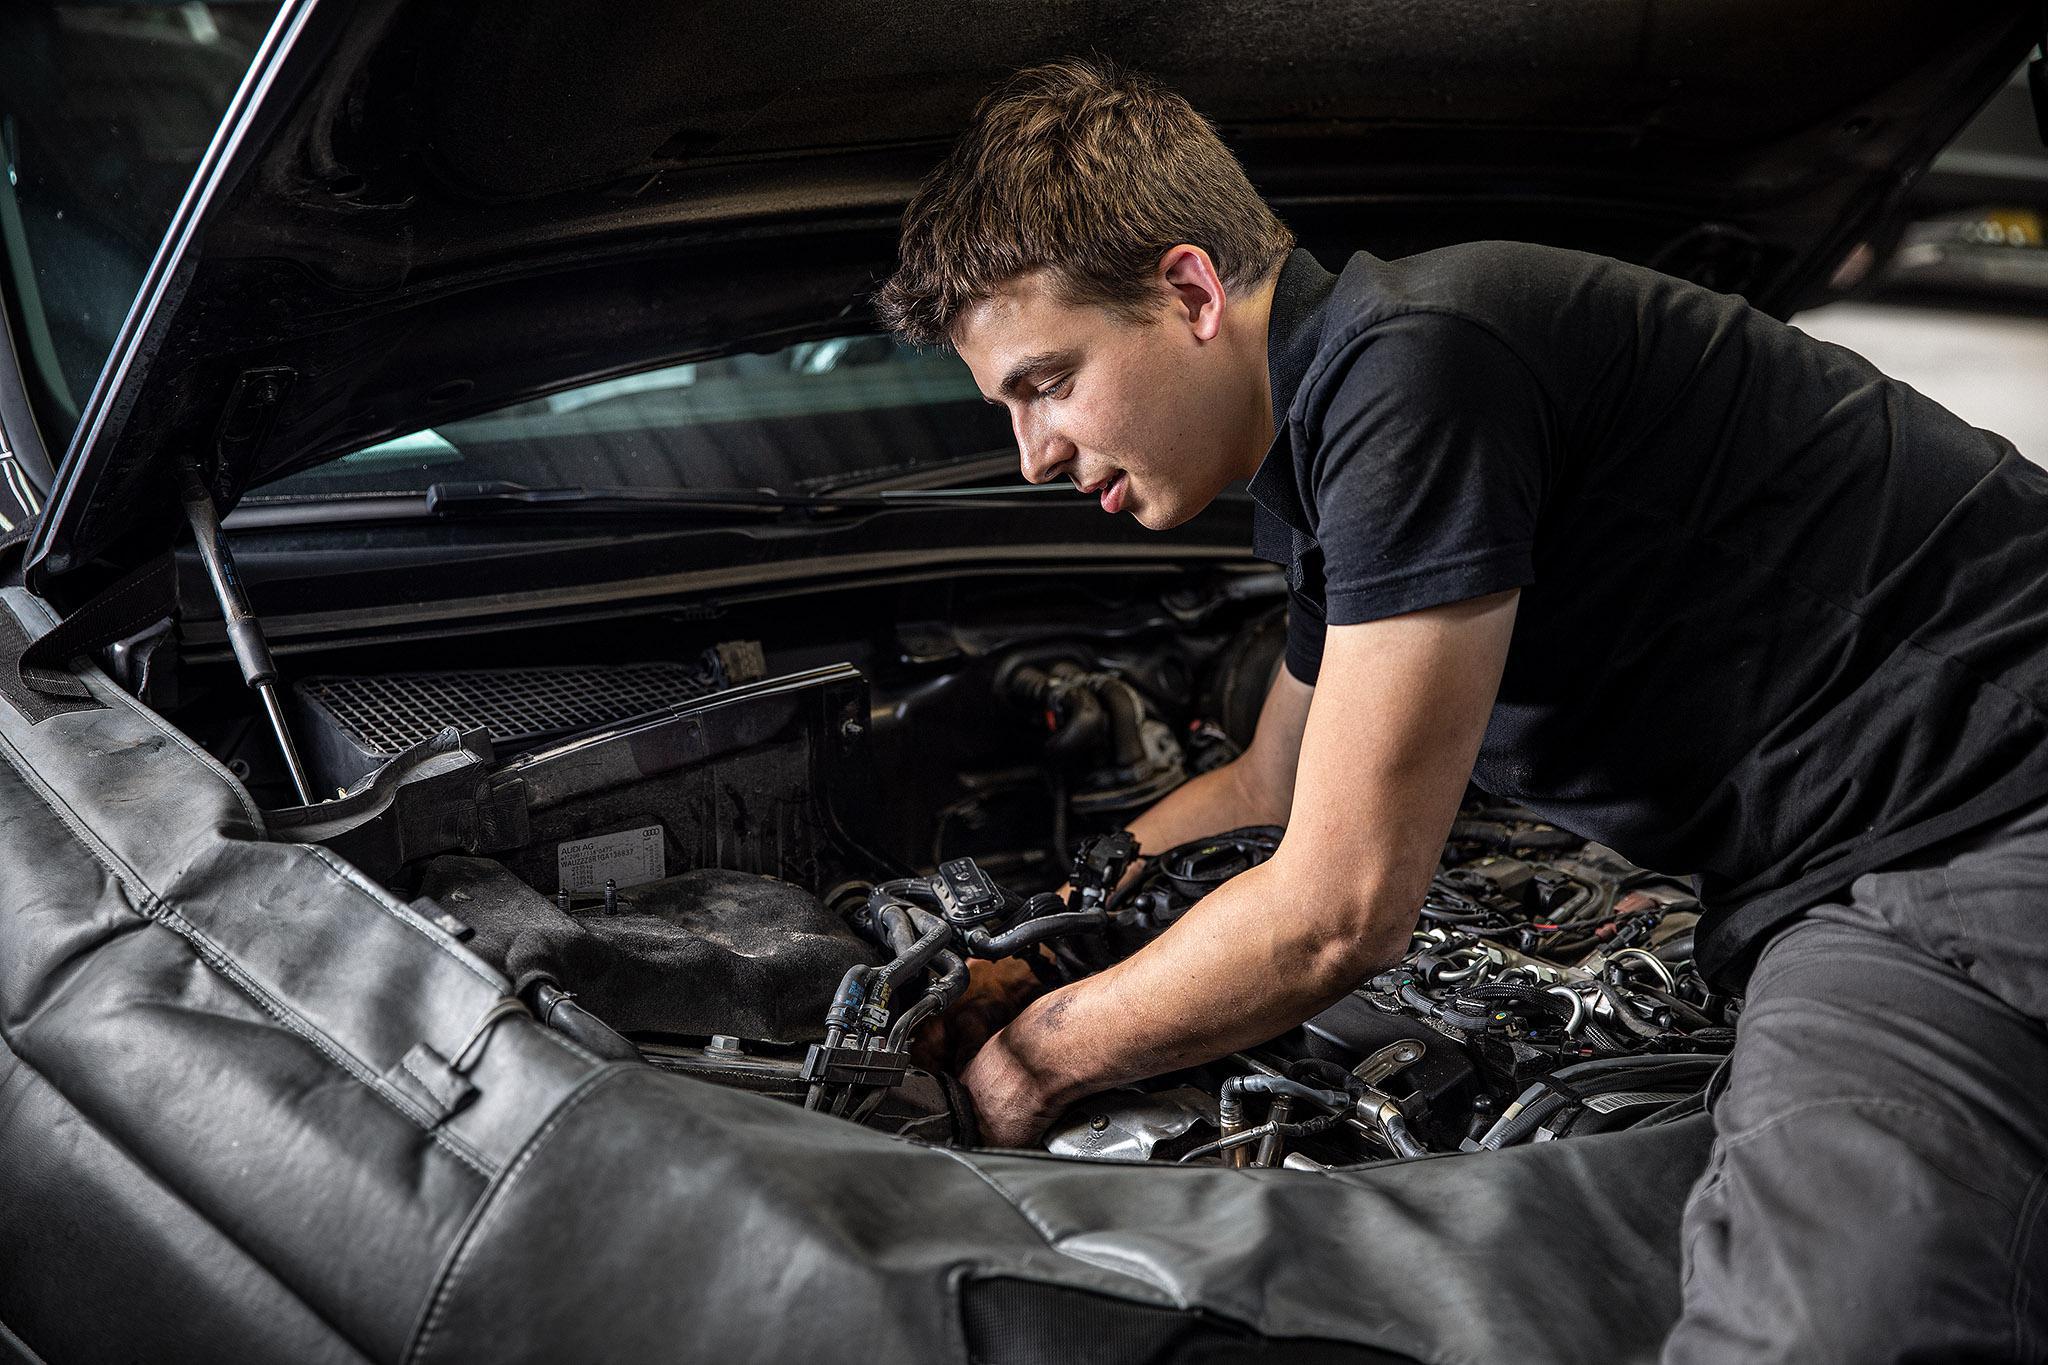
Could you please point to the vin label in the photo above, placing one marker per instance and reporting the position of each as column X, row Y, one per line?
column 629, row 858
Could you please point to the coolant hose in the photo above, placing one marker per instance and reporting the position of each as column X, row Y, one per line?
column 1625, row 1013
column 1511, row 1129
column 891, row 924
column 913, row 890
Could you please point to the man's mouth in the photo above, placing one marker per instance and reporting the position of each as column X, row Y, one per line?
column 1110, row 491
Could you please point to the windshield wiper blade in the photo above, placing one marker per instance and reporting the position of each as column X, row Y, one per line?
column 1031, row 492
column 443, row 499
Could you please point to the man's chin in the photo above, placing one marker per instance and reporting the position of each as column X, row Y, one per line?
column 1160, row 515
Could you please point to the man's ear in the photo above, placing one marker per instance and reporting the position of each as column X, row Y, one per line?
column 1190, row 276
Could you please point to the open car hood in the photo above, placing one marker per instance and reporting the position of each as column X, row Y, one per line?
column 418, row 211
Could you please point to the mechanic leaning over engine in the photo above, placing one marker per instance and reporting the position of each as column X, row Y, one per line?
column 1626, row 551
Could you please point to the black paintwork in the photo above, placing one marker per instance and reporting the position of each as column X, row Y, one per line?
column 415, row 212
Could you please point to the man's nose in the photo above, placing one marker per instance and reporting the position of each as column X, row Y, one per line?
column 1040, row 453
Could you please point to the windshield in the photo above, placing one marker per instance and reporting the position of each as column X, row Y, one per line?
column 104, row 111
column 856, row 411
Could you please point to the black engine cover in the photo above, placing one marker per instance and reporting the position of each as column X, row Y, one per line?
column 704, row 953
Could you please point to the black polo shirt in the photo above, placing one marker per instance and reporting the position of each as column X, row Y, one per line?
column 1783, row 620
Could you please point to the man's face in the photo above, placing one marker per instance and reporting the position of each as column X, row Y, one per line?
column 1155, row 418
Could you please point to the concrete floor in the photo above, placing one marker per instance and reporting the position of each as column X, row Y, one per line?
column 1990, row 370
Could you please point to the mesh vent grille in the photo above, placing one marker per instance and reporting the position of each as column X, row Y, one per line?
column 384, row 714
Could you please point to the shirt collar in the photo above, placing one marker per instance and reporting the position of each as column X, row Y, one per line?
column 1294, row 333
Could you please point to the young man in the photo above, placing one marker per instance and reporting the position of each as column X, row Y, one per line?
column 1670, row 573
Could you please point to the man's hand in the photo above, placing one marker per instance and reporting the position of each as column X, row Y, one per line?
column 1012, row 1104
column 1391, row 735
column 996, row 993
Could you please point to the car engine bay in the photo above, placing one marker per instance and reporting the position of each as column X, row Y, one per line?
column 827, row 869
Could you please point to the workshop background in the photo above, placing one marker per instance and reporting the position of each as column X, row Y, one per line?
column 1960, row 308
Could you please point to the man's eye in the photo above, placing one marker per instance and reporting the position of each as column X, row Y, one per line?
column 1058, row 388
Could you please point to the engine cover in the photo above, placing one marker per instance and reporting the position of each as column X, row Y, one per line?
column 708, row 952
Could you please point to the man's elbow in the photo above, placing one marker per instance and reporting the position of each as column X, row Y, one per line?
column 1356, row 926
column 1362, row 948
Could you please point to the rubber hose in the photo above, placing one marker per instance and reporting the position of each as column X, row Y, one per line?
column 574, row 1022
column 1237, row 1086
column 1399, row 1138
column 1126, row 734
column 1032, row 932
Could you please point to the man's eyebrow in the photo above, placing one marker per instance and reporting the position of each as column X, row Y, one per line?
column 1021, row 372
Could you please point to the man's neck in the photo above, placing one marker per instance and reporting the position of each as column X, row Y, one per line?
column 1256, row 330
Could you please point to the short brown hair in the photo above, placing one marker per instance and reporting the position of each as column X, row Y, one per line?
column 1087, row 170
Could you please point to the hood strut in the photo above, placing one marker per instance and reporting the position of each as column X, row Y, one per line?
column 245, row 633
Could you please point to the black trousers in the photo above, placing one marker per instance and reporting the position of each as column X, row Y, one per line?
column 1878, row 1189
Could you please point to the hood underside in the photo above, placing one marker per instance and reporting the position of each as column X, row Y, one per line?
column 416, row 212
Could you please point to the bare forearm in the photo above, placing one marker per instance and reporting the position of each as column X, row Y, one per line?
column 1373, row 769
column 1222, row 798
column 1226, row 976
column 1255, row 788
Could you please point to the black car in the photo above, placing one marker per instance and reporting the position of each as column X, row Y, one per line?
column 535, row 742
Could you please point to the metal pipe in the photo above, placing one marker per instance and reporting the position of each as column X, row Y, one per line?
column 1655, row 963
column 919, row 1011
column 245, row 633
column 1269, row 1150
column 1230, row 1123
column 1230, row 1117
column 1233, row 1145
column 1578, row 1019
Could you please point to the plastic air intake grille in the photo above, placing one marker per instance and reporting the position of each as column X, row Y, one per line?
column 359, row 722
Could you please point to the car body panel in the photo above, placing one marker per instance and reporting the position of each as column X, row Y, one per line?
column 380, row 238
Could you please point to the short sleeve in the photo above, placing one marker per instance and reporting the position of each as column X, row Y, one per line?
column 1304, row 637
column 1433, row 453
